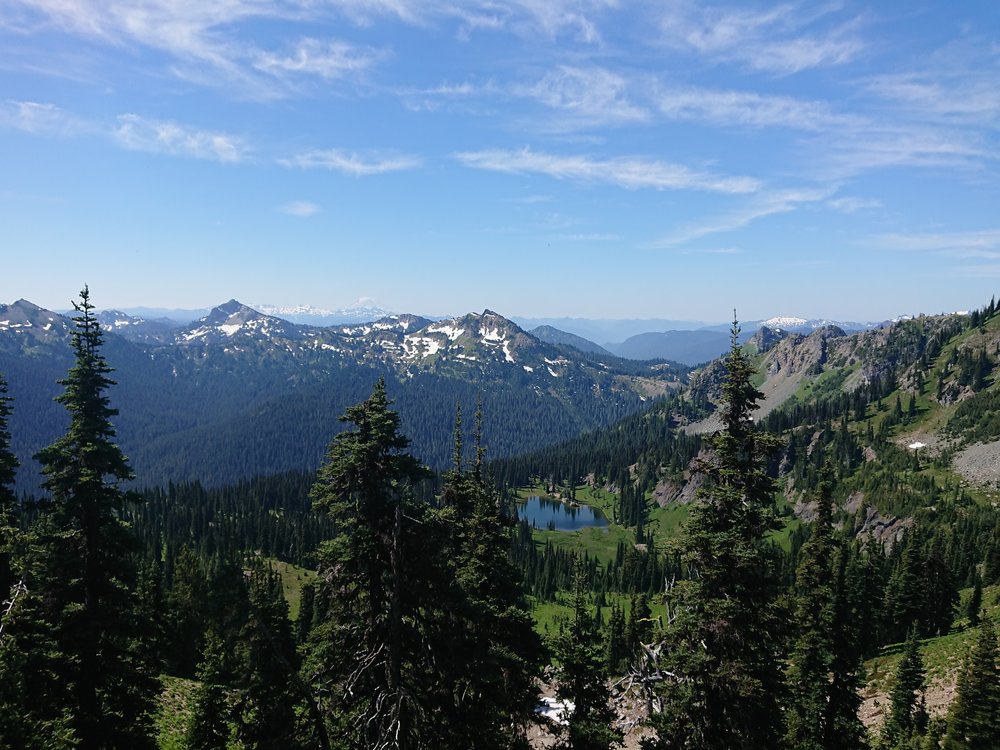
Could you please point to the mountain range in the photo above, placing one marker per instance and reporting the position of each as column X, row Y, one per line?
column 239, row 393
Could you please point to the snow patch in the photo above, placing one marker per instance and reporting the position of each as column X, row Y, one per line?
column 491, row 334
column 556, row 710
column 552, row 372
column 196, row 333
column 784, row 321
column 450, row 331
column 506, row 351
column 916, row 446
column 230, row 328
column 422, row 346
column 528, row 369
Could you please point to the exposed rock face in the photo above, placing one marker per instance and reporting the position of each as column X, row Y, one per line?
column 766, row 338
column 887, row 531
column 668, row 491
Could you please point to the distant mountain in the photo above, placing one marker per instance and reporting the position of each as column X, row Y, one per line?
column 793, row 324
column 363, row 311
column 601, row 330
column 176, row 315
column 693, row 347
column 238, row 393
column 136, row 328
column 687, row 347
column 562, row 338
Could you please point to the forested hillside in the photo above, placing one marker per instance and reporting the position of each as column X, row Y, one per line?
column 238, row 393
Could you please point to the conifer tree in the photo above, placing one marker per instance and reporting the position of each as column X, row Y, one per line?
column 581, row 672
column 972, row 720
column 500, row 652
column 720, row 657
column 618, row 651
column 266, row 668
column 84, row 664
column 844, row 729
column 209, row 724
column 975, row 602
column 812, row 655
column 907, row 715
column 376, row 659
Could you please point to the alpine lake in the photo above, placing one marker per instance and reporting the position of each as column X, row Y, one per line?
column 554, row 515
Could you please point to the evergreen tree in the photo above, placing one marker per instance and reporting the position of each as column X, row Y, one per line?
column 496, row 654
column 266, row 668
column 940, row 592
column 639, row 627
column 84, row 663
column 581, row 674
column 844, row 730
column 618, row 651
column 186, row 606
column 972, row 720
column 374, row 659
column 209, row 725
column 905, row 596
column 721, row 654
column 975, row 602
column 813, row 653
column 907, row 715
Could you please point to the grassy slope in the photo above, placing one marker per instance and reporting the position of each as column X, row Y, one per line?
column 942, row 658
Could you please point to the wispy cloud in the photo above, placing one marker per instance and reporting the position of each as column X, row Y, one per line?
column 767, row 204
column 41, row 119
column 730, row 108
column 626, row 172
column 217, row 43
column 580, row 19
column 852, row 204
column 849, row 153
column 138, row 133
column 782, row 39
column 591, row 237
column 209, row 43
column 301, row 209
column 584, row 96
column 359, row 165
column 973, row 244
column 327, row 59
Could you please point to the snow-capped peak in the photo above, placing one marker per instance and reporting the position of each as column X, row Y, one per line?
column 784, row 321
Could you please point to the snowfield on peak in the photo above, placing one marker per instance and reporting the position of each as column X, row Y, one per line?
column 450, row 331
column 784, row 321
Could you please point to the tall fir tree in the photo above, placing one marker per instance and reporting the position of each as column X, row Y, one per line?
column 85, row 663
column 497, row 653
column 376, row 658
column 581, row 674
column 844, row 729
column 209, row 725
column 907, row 713
column 972, row 719
column 825, row 667
column 811, row 659
column 267, row 665
column 720, row 657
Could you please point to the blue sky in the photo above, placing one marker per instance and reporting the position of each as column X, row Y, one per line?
column 589, row 158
